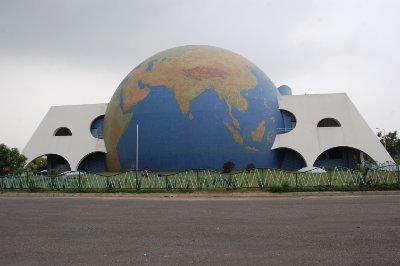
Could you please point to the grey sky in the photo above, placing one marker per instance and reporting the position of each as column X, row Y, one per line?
column 75, row 52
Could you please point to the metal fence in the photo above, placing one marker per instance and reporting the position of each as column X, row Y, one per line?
column 201, row 180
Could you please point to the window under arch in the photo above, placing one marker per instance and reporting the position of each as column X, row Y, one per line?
column 291, row 159
column 342, row 157
column 328, row 122
column 57, row 164
column 63, row 131
column 93, row 163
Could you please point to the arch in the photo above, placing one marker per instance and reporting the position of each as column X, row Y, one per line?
column 289, row 122
column 62, row 131
column 93, row 162
column 342, row 157
column 291, row 159
column 329, row 122
column 96, row 127
column 57, row 164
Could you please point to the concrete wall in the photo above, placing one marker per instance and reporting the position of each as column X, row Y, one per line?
column 78, row 119
column 310, row 141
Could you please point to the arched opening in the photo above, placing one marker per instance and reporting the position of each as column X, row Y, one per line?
column 56, row 164
column 62, row 131
column 328, row 122
column 289, row 122
column 94, row 163
column 341, row 157
column 96, row 128
column 291, row 160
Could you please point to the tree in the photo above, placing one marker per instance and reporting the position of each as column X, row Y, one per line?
column 228, row 167
column 392, row 143
column 11, row 160
column 37, row 165
column 250, row 167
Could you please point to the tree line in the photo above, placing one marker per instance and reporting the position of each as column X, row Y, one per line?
column 12, row 161
column 392, row 143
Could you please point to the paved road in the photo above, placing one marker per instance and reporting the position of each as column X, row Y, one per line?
column 328, row 230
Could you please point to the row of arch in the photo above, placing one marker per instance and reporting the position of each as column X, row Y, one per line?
column 96, row 129
column 341, row 156
column 94, row 162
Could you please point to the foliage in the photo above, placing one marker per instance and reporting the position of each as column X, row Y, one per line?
column 37, row 165
column 392, row 143
column 228, row 167
column 284, row 187
column 250, row 167
column 11, row 160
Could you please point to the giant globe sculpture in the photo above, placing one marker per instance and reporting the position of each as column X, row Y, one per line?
column 196, row 107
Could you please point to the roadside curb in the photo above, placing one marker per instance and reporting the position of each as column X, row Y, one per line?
column 198, row 195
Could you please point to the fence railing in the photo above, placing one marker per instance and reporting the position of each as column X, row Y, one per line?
column 200, row 180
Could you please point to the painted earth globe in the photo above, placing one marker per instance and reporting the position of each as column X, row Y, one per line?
column 194, row 107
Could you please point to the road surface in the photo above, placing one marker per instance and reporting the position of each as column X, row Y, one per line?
column 348, row 229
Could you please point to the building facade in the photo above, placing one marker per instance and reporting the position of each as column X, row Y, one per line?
column 323, row 130
column 71, row 137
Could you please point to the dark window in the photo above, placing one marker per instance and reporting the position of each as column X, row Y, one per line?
column 335, row 153
column 63, row 131
column 289, row 122
column 96, row 128
column 328, row 122
column 322, row 156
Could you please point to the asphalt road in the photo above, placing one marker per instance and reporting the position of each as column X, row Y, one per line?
column 159, row 230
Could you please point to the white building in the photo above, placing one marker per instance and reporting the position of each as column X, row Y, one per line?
column 325, row 130
column 71, row 138
column 319, row 130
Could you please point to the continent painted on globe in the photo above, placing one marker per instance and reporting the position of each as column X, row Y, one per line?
column 197, row 107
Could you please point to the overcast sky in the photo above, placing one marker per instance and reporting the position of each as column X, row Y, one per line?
column 77, row 52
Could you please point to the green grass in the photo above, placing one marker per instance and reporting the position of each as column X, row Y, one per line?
column 264, row 179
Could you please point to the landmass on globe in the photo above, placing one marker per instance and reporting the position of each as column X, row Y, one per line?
column 196, row 107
